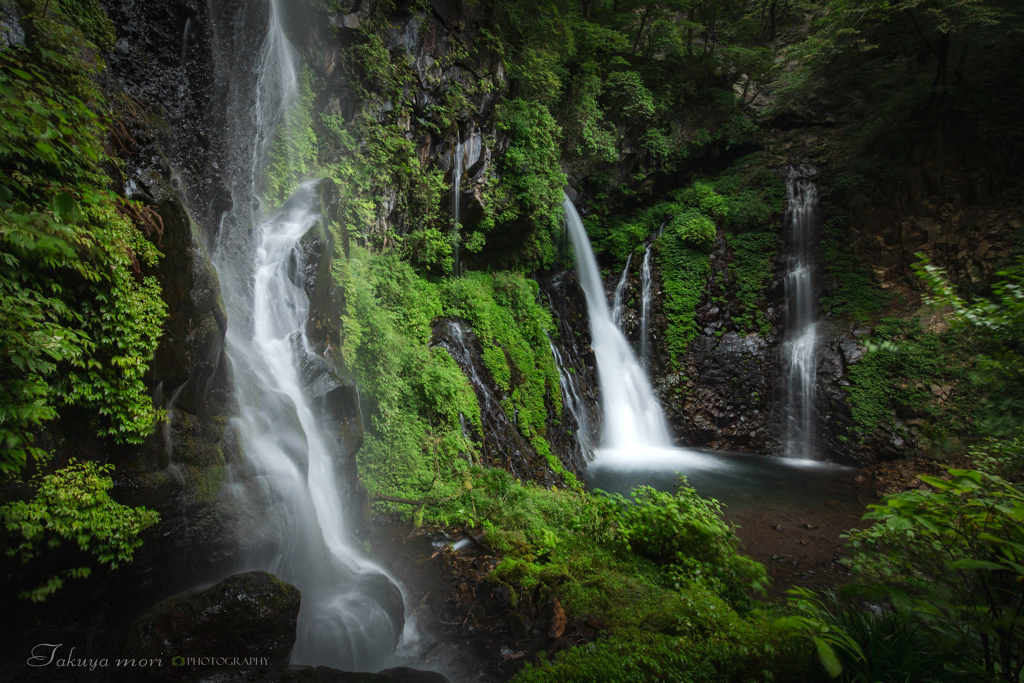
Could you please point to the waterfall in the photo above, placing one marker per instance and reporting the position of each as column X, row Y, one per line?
column 645, row 310
column 799, row 356
column 184, row 40
column 572, row 400
column 352, row 614
column 618, row 307
column 456, row 182
column 632, row 415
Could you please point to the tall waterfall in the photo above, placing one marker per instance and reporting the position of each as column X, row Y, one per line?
column 633, row 419
column 619, row 302
column 351, row 615
column 646, row 298
column 799, row 355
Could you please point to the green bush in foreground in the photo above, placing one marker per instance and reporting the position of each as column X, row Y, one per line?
column 946, row 568
column 72, row 505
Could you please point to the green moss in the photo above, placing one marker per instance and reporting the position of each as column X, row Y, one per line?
column 503, row 310
column 293, row 153
column 750, row 271
column 850, row 289
column 896, row 378
column 684, row 275
column 525, row 204
column 415, row 394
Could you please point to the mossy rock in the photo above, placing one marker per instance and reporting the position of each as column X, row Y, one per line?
column 252, row 614
column 319, row 674
column 695, row 613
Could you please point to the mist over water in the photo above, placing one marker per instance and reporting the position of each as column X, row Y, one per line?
column 352, row 614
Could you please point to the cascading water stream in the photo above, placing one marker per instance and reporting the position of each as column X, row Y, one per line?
column 352, row 614
column 619, row 304
column 633, row 419
column 572, row 398
column 645, row 308
column 799, row 350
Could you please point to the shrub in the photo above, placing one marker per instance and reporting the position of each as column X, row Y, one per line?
column 696, row 230
column 952, row 559
column 866, row 646
column 684, row 535
column 72, row 504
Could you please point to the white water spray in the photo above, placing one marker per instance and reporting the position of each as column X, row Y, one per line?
column 633, row 420
column 572, row 399
column 351, row 615
column 799, row 351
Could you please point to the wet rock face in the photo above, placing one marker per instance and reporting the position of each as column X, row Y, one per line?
column 334, row 396
column 574, row 431
column 728, row 393
column 163, row 63
column 429, row 35
column 502, row 444
column 253, row 614
column 577, row 430
column 721, row 393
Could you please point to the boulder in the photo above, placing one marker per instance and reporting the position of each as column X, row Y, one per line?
column 319, row 674
column 252, row 614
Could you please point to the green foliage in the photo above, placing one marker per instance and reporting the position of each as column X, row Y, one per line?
column 628, row 94
column 694, row 229
column 750, row 271
column 866, row 646
column 754, row 195
column 78, row 321
column 621, row 561
column 684, row 275
column 527, row 199
column 850, row 289
column 869, row 25
column 685, row 536
column 1001, row 457
column 897, row 376
column 743, row 651
column 415, row 446
column 996, row 325
column 293, row 153
column 952, row 560
column 72, row 505
column 703, row 196
column 503, row 310
column 415, row 393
